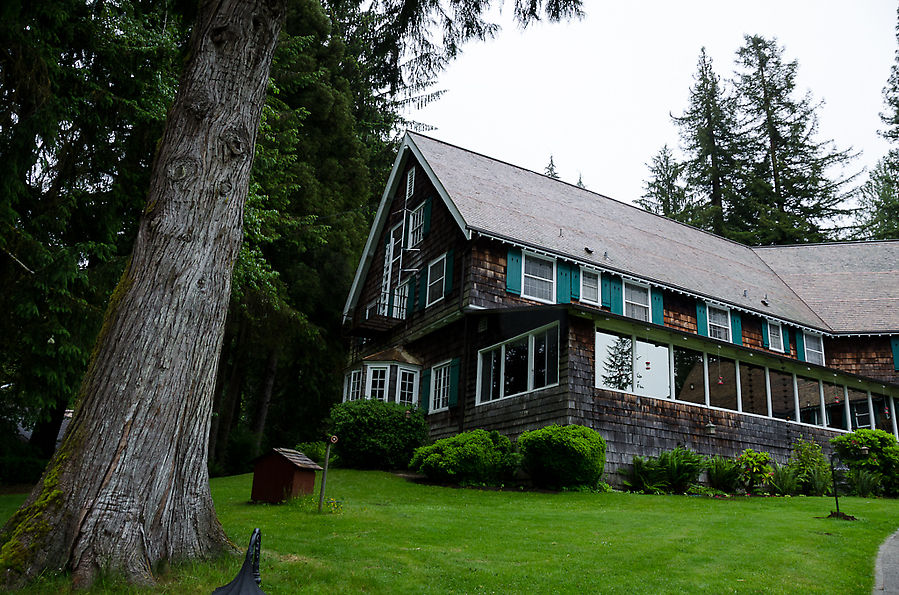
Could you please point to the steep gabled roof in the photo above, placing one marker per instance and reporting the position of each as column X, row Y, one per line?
column 496, row 199
column 854, row 286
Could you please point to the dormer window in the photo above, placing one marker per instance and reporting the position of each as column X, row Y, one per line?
column 589, row 286
column 719, row 323
column 775, row 336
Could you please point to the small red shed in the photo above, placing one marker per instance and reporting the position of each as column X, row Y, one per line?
column 282, row 474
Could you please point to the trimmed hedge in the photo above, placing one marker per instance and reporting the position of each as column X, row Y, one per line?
column 563, row 456
column 477, row 456
column 373, row 434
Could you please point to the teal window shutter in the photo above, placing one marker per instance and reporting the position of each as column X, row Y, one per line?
column 426, row 218
column 800, row 345
column 702, row 319
column 454, row 383
column 575, row 282
column 605, row 289
column 424, row 392
column 894, row 343
column 786, row 337
column 736, row 328
column 616, row 296
column 448, row 273
column 423, row 289
column 410, row 297
column 513, row 271
column 766, row 342
column 658, row 307
column 390, row 305
column 563, row 283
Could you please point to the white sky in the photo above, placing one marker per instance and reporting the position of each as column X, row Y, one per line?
column 597, row 93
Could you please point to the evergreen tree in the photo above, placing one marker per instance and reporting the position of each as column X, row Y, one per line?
column 877, row 217
column 790, row 196
column 580, row 181
column 550, row 170
column 891, row 96
column 709, row 139
column 665, row 193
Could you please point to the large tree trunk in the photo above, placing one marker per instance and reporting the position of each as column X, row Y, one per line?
column 128, row 487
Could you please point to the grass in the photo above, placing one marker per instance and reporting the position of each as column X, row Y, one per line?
column 394, row 536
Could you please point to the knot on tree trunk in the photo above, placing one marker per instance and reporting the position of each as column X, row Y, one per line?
column 237, row 141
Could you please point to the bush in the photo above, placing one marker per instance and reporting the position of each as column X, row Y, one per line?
column 314, row 450
column 882, row 456
column 680, row 469
column 563, row 456
column 865, row 483
column 811, row 468
column 724, row 474
column 475, row 457
column 784, row 481
column 373, row 434
column 645, row 476
column 755, row 472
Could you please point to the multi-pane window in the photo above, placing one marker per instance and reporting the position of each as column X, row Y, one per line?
column 636, row 301
column 407, row 386
column 440, row 387
column 589, row 287
column 416, row 226
column 539, row 276
column 352, row 390
column 719, row 323
column 436, row 274
column 396, row 236
column 400, row 299
column 814, row 349
column 520, row 365
column 775, row 336
column 377, row 382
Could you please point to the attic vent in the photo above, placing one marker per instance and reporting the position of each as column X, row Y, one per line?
column 410, row 183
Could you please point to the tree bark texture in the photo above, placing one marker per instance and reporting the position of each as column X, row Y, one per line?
column 128, row 488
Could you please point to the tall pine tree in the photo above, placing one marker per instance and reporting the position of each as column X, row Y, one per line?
column 795, row 187
column 708, row 135
column 665, row 193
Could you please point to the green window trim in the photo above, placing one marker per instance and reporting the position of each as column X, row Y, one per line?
column 575, row 282
column 563, row 283
column 424, row 393
column 513, row 271
column 702, row 319
column 800, row 345
column 616, row 296
column 657, row 303
column 426, row 224
column 448, row 273
column 605, row 290
column 736, row 328
column 454, row 383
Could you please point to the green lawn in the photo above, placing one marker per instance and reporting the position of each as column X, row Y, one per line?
column 394, row 536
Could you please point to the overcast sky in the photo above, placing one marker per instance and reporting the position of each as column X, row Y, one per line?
column 597, row 93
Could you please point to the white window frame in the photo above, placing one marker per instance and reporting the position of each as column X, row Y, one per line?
column 369, row 380
column 352, row 386
column 371, row 310
column 416, row 226
column 401, row 299
column 524, row 258
column 415, row 372
column 779, row 345
column 584, row 299
column 531, row 335
column 820, row 338
column 440, row 381
column 647, row 305
column 709, row 308
column 434, row 281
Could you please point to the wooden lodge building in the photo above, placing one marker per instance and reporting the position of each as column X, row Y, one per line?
column 498, row 298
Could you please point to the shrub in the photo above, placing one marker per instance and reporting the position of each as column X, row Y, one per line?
column 865, row 483
column 314, row 450
column 680, row 469
column 784, row 481
column 882, row 456
column 755, row 472
column 470, row 457
column 373, row 434
column 645, row 476
column 811, row 467
column 724, row 474
column 563, row 456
